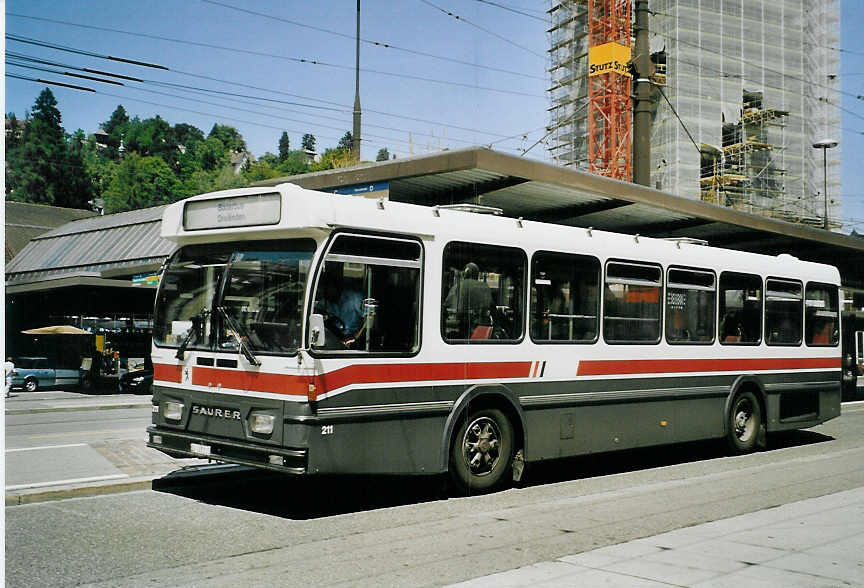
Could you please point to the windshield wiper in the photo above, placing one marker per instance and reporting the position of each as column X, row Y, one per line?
column 197, row 322
column 240, row 336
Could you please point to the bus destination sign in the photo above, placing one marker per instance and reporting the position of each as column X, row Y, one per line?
column 234, row 211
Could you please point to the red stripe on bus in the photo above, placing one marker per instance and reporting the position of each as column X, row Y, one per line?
column 660, row 366
column 293, row 385
column 167, row 373
column 243, row 380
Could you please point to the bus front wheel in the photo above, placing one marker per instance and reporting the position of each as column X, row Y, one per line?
column 744, row 422
column 481, row 451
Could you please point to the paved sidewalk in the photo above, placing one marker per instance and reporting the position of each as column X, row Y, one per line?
column 813, row 543
column 106, row 466
column 61, row 400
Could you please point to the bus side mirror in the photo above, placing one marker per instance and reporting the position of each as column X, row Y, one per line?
column 316, row 330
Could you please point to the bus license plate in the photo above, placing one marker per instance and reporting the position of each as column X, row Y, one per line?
column 199, row 449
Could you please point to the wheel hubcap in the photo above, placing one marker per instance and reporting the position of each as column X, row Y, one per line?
column 745, row 423
column 480, row 446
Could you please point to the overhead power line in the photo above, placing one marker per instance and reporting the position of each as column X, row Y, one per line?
column 88, row 53
column 509, row 9
column 485, row 30
column 41, row 81
column 374, row 43
column 763, row 68
column 260, row 54
column 339, row 107
column 63, row 73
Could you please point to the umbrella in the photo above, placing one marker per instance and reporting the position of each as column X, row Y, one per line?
column 57, row 330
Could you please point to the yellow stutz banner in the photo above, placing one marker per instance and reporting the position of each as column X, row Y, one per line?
column 608, row 58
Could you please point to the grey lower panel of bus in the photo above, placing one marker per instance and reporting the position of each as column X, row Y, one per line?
column 406, row 429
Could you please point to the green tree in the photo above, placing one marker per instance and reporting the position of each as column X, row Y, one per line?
column 151, row 136
column 383, row 155
column 211, row 154
column 295, row 163
column 334, row 159
column 78, row 185
column 141, row 182
column 346, row 142
column 284, row 146
column 262, row 169
column 115, row 126
column 230, row 137
column 308, row 142
column 38, row 164
column 186, row 135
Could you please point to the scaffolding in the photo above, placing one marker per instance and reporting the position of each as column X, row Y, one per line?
column 744, row 173
column 568, row 70
column 754, row 82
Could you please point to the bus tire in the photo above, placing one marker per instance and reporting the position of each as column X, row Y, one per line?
column 481, row 451
column 31, row 385
column 744, row 422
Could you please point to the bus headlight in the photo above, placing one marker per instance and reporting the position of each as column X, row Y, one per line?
column 172, row 411
column 262, row 423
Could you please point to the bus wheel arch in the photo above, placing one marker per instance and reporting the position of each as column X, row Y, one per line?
column 745, row 416
column 484, row 404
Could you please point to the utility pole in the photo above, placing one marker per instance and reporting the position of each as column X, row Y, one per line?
column 642, row 102
column 355, row 144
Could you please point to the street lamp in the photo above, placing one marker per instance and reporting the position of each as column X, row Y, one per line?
column 825, row 145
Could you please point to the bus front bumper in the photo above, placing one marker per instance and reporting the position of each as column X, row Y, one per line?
column 177, row 444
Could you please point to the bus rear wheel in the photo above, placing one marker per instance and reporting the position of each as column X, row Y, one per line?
column 744, row 423
column 481, row 451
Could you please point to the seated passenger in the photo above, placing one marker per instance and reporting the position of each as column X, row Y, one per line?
column 469, row 301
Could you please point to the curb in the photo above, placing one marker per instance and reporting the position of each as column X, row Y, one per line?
column 78, row 407
column 79, row 492
column 211, row 474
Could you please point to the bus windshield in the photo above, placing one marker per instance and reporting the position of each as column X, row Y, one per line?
column 213, row 296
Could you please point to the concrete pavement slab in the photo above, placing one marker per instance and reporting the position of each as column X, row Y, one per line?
column 35, row 467
column 814, row 543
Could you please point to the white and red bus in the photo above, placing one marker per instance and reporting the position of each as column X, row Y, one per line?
column 314, row 333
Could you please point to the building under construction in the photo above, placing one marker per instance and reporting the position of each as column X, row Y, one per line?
column 742, row 90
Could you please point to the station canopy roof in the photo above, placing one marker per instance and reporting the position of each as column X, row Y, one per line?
column 99, row 250
column 94, row 251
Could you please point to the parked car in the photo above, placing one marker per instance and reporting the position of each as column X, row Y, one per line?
column 138, row 381
column 32, row 373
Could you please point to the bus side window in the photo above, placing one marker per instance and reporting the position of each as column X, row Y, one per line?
column 565, row 298
column 784, row 302
column 690, row 296
column 631, row 302
column 821, row 316
column 482, row 293
column 740, row 313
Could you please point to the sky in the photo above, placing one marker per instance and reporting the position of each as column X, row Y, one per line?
column 428, row 80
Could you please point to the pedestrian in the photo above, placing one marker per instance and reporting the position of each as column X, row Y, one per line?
column 9, row 369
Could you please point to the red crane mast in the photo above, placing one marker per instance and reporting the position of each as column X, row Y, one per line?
column 610, row 106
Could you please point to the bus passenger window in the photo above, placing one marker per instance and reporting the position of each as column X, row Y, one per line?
column 482, row 293
column 821, row 324
column 690, row 306
column 564, row 298
column 368, row 293
column 783, row 312
column 740, row 308
column 631, row 303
